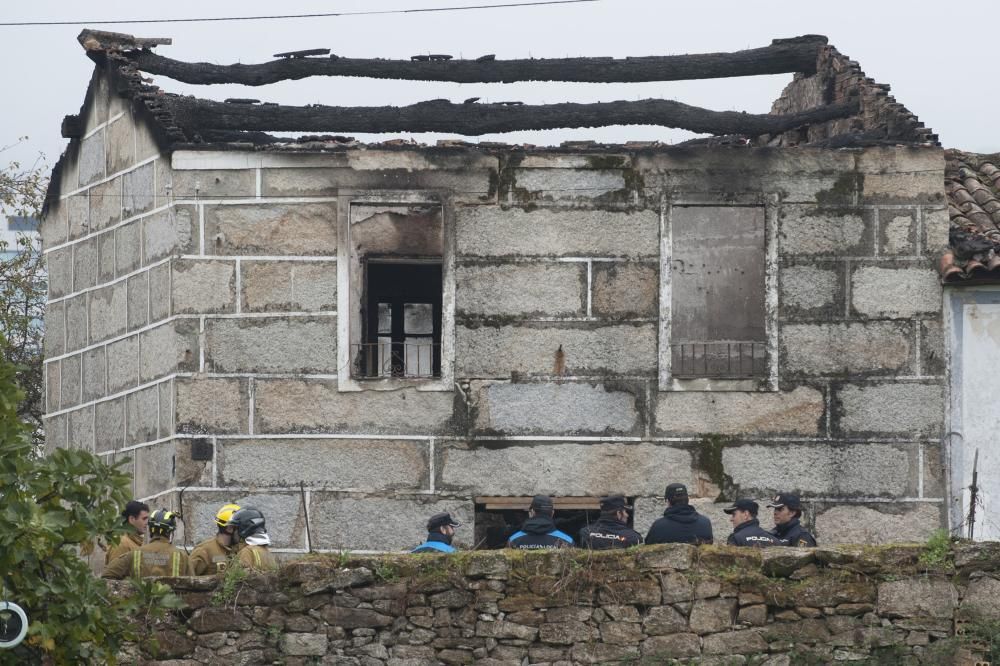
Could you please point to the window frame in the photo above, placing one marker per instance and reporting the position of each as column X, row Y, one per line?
column 350, row 290
column 770, row 203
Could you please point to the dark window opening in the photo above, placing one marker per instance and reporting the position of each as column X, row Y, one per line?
column 497, row 518
column 401, row 321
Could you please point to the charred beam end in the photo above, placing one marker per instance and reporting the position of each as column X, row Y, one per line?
column 102, row 40
column 782, row 56
column 478, row 119
column 303, row 53
column 72, row 127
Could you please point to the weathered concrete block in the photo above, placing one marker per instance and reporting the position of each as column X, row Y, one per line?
column 138, row 300
column 203, row 286
column 80, row 434
column 54, row 228
column 811, row 289
column 293, row 405
column 76, row 322
column 933, row 350
column 128, row 247
column 137, row 190
column 70, row 378
column 172, row 347
column 78, row 214
column 911, row 522
column 59, row 266
column 873, row 348
column 897, row 231
column 895, row 292
column 154, row 469
column 299, row 344
column 167, row 409
column 344, row 521
column 106, row 257
column 94, row 374
column 121, row 143
column 590, row 409
column 142, row 420
column 497, row 351
column 52, row 386
column 145, row 142
column 105, row 204
column 212, row 405
column 366, row 465
column 123, row 364
column 174, row 231
column 109, row 425
column 916, row 187
column 936, row 225
column 799, row 411
column 625, row 291
column 85, row 264
column 276, row 286
column 917, row 597
column 821, row 231
column 91, row 161
column 55, row 432
column 565, row 185
column 97, row 110
column 272, row 229
column 916, row 409
column 866, row 470
column 55, row 329
column 526, row 290
column 106, row 312
column 491, row 231
column 282, row 511
column 583, row 469
column 159, row 292
column 209, row 184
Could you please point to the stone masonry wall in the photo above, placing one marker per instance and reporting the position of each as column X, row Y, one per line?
column 678, row 604
column 201, row 314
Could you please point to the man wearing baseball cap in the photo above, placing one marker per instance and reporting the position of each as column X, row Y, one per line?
column 680, row 522
column 611, row 530
column 539, row 530
column 440, row 530
column 746, row 529
column 787, row 511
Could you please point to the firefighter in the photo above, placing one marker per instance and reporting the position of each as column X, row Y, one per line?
column 746, row 528
column 134, row 516
column 539, row 531
column 787, row 512
column 251, row 531
column 212, row 556
column 611, row 531
column 440, row 531
column 159, row 557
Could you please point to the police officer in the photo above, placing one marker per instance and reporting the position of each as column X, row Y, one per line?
column 539, row 531
column 680, row 522
column 158, row 557
column 134, row 516
column 251, row 530
column 787, row 512
column 440, row 531
column 212, row 556
column 611, row 530
column 746, row 528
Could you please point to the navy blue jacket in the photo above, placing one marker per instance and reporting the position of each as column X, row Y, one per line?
column 751, row 533
column 436, row 543
column 793, row 534
column 680, row 524
column 608, row 534
column 539, row 533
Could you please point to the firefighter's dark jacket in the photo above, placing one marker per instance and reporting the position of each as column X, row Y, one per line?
column 680, row 524
column 793, row 534
column 539, row 533
column 751, row 533
column 607, row 534
column 436, row 543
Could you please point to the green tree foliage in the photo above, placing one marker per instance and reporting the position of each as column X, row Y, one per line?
column 51, row 507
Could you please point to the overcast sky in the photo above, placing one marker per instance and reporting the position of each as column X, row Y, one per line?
column 938, row 65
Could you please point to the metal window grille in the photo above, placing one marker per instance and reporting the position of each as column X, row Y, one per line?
column 375, row 360
column 720, row 360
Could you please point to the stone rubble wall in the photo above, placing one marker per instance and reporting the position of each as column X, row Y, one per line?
column 672, row 604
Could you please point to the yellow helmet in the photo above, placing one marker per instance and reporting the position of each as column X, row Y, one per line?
column 225, row 513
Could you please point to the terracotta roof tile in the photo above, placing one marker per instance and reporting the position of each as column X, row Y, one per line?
column 972, row 183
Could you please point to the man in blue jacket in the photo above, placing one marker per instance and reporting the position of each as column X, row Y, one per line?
column 539, row 531
column 680, row 522
column 440, row 530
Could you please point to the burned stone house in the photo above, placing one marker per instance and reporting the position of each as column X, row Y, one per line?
column 354, row 336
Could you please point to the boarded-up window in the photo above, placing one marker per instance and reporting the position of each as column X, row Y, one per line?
column 717, row 283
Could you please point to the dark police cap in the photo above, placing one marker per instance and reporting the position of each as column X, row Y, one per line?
column 614, row 503
column 542, row 503
column 791, row 500
column 675, row 491
column 440, row 520
column 743, row 505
